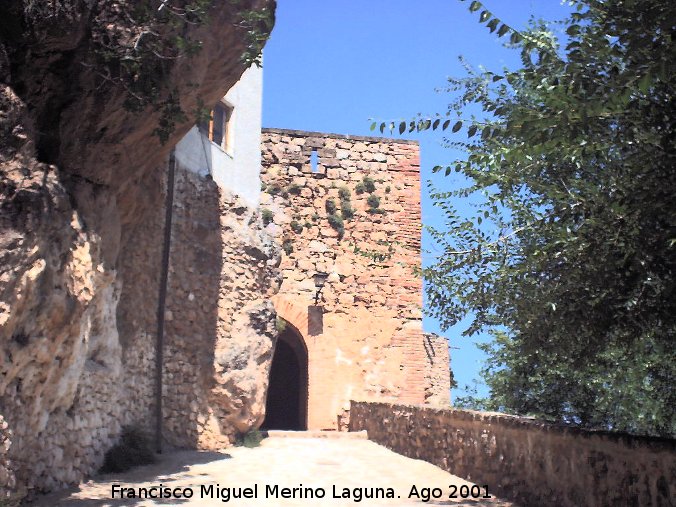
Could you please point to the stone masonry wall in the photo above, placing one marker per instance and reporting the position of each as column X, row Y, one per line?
column 530, row 461
column 220, row 323
column 364, row 336
column 7, row 479
column 438, row 370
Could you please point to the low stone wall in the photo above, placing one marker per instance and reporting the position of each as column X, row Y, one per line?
column 532, row 462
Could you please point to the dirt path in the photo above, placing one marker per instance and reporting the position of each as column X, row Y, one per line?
column 344, row 467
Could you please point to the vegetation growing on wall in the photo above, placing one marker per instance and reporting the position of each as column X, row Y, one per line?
column 330, row 206
column 369, row 184
column 376, row 256
column 346, row 209
column 373, row 201
column 134, row 449
column 337, row 223
column 267, row 216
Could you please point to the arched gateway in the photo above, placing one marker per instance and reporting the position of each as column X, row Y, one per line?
column 286, row 405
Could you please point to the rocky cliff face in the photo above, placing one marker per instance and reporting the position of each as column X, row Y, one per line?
column 81, row 179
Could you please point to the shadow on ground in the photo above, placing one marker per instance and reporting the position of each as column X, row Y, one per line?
column 169, row 468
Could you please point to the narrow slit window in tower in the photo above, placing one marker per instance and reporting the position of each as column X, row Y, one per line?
column 314, row 159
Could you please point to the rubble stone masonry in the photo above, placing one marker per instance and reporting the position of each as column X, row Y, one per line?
column 354, row 214
column 530, row 461
column 220, row 323
column 7, row 479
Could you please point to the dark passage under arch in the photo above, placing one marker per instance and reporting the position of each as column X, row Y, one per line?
column 286, row 405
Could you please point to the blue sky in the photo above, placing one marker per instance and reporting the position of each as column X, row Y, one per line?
column 331, row 65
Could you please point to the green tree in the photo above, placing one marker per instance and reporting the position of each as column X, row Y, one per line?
column 570, row 259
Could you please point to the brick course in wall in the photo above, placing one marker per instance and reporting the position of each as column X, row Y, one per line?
column 369, row 342
column 532, row 462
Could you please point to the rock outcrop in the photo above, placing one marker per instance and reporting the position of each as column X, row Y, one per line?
column 81, row 183
column 220, row 331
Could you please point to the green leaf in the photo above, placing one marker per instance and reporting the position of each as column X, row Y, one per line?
column 644, row 83
column 471, row 131
column 446, row 124
column 503, row 30
column 475, row 6
column 435, row 124
column 485, row 16
column 373, row 125
column 457, row 126
column 402, row 127
column 493, row 24
column 573, row 30
column 382, row 127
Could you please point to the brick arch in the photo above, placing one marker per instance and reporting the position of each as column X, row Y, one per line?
column 296, row 317
column 293, row 313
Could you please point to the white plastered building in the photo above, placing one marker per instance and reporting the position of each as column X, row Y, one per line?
column 228, row 146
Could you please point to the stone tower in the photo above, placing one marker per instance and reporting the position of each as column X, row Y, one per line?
column 347, row 211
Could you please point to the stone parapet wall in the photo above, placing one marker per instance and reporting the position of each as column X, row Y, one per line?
column 364, row 333
column 534, row 463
